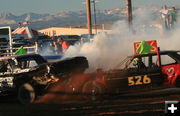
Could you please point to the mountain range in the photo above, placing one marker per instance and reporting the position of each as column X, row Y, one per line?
column 67, row 18
column 63, row 18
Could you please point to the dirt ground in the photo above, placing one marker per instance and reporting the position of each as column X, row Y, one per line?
column 139, row 105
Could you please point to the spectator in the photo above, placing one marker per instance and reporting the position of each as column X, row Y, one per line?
column 165, row 14
column 55, row 47
column 51, row 48
column 173, row 17
column 36, row 46
column 82, row 41
column 65, row 46
column 59, row 45
column 63, row 43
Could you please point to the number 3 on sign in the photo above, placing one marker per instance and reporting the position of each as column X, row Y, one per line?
column 139, row 80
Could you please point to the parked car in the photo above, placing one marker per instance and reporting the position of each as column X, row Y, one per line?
column 70, row 39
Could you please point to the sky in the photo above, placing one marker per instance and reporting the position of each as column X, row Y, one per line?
column 19, row 7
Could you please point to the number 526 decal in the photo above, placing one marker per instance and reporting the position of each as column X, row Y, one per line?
column 138, row 80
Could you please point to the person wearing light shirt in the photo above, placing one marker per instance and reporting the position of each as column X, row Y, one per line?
column 165, row 14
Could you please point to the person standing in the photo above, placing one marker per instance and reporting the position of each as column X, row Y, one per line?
column 82, row 41
column 173, row 17
column 55, row 47
column 63, row 44
column 165, row 14
column 59, row 45
column 36, row 46
column 51, row 48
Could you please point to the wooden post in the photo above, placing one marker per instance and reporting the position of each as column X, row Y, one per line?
column 129, row 12
column 89, row 17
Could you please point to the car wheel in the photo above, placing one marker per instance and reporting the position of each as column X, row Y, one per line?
column 26, row 94
column 92, row 90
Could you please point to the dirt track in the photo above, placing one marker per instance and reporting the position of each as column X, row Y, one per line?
column 137, row 105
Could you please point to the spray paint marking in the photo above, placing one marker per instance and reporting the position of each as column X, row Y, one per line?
column 170, row 72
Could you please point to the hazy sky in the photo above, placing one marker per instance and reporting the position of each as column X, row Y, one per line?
column 18, row 7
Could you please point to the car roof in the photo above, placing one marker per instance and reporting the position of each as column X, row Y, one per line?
column 155, row 53
column 19, row 56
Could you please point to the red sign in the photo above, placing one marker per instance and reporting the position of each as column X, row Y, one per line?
column 152, row 43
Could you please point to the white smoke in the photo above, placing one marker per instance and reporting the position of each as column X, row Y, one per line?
column 108, row 50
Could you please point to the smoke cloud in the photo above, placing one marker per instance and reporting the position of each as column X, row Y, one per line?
column 106, row 51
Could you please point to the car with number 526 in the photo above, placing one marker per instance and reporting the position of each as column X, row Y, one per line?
column 138, row 73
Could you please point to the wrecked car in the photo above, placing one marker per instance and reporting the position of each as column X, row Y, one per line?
column 29, row 76
column 137, row 73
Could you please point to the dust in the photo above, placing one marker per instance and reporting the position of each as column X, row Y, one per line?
column 66, row 91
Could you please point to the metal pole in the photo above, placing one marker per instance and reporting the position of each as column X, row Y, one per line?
column 95, row 16
column 89, row 17
column 129, row 12
column 10, row 41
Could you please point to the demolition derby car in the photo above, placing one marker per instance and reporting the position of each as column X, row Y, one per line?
column 142, row 72
column 137, row 73
column 29, row 76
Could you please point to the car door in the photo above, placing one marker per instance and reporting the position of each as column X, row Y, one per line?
column 146, row 78
column 170, row 69
column 135, row 78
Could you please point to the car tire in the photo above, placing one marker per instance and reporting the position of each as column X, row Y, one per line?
column 92, row 90
column 26, row 94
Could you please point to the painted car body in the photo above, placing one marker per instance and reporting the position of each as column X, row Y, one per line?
column 33, row 72
column 133, row 78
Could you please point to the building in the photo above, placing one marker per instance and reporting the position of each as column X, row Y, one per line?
column 75, row 30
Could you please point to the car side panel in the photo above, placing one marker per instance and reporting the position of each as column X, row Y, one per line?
column 133, row 81
column 171, row 72
column 6, row 82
